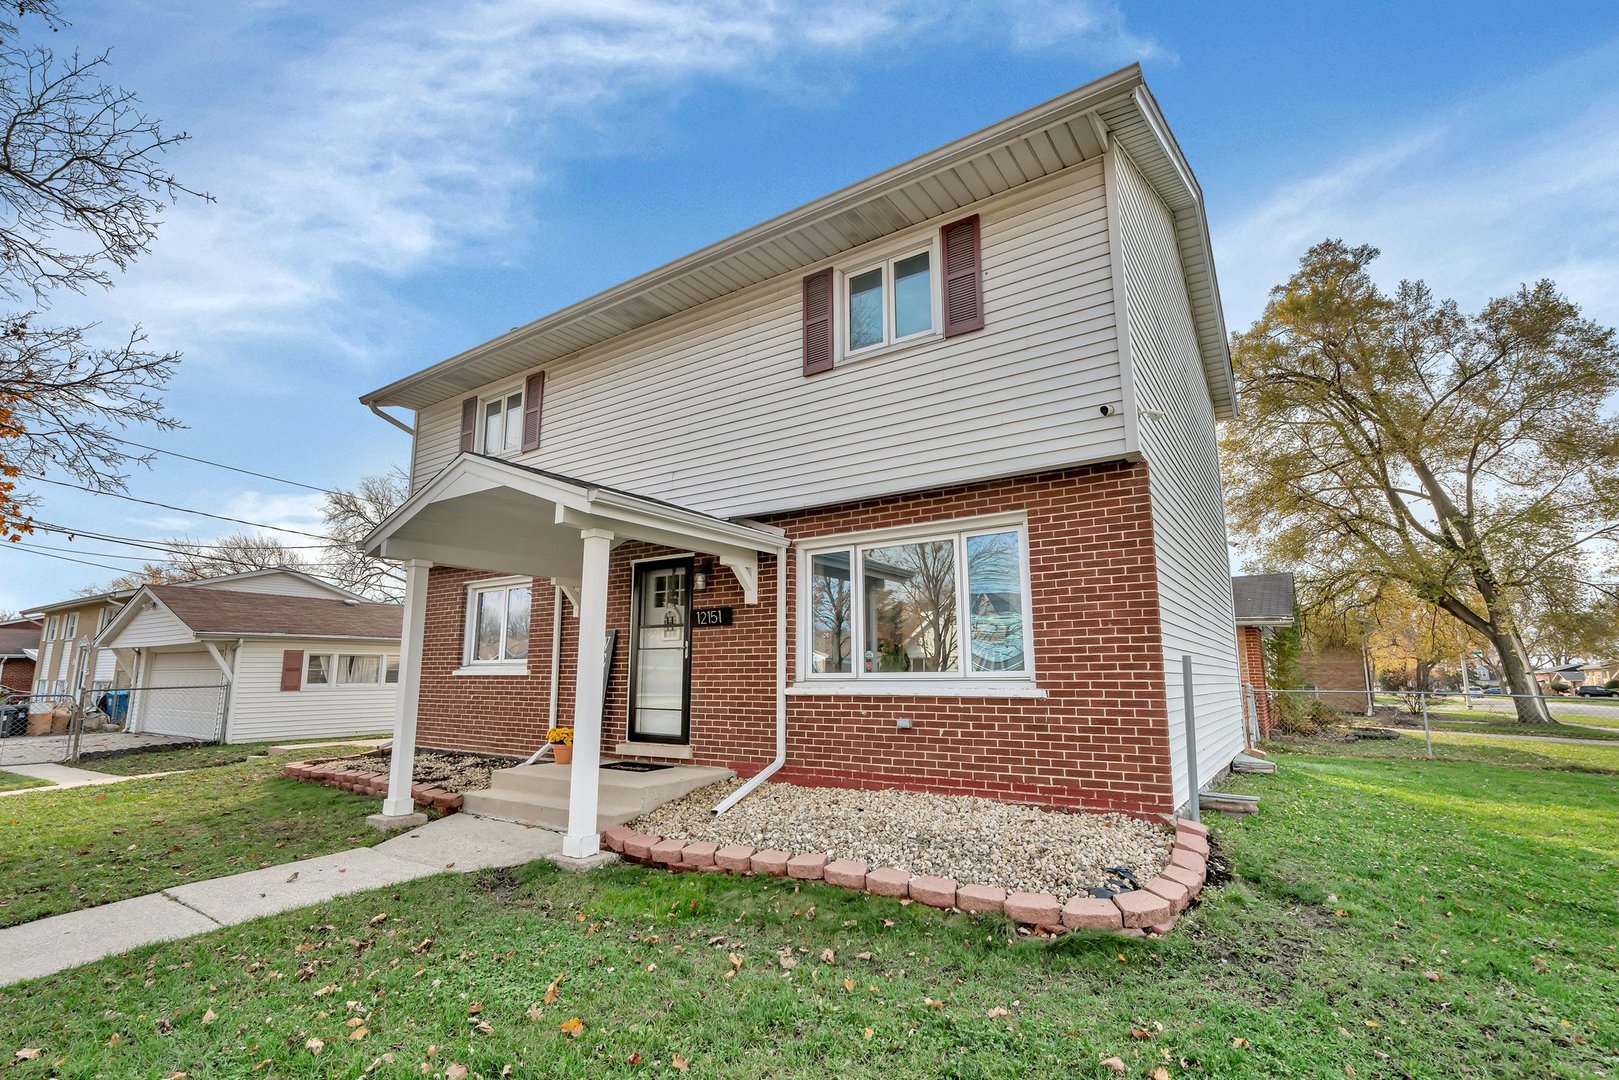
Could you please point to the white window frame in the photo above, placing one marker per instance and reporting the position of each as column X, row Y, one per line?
column 70, row 625
column 52, row 624
column 885, row 261
column 393, row 659
column 480, row 429
column 963, row 681
column 334, row 658
column 470, row 664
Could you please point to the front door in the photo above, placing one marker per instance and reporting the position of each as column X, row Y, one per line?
column 660, row 694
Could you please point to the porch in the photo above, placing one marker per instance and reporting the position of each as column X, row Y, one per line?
column 539, row 794
column 491, row 516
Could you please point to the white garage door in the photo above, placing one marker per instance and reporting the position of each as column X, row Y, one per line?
column 183, row 695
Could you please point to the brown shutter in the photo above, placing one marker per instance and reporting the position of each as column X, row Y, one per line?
column 469, row 424
column 533, row 402
column 292, row 669
column 963, row 278
column 818, row 322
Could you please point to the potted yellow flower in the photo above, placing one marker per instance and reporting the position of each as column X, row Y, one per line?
column 561, row 740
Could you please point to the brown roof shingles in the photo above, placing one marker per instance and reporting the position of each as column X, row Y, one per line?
column 251, row 614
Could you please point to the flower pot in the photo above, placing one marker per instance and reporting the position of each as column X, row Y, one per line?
column 562, row 753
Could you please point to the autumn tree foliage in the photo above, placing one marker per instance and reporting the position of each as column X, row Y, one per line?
column 1390, row 438
column 81, row 196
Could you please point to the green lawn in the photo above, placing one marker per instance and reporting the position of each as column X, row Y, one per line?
column 1448, row 746
column 206, row 755
column 10, row 781
column 1394, row 917
column 79, row 847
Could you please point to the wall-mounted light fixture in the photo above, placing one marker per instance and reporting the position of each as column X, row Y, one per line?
column 701, row 575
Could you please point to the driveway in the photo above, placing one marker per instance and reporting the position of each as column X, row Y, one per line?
column 46, row 749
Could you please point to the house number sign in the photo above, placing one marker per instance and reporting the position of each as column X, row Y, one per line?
column 714, row 616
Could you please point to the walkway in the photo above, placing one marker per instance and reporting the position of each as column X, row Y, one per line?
column 39, row 749
column 64, row 776
column 1522, row 738
column 461, row 843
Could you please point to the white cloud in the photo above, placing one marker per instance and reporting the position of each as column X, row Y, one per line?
column 405, row 142
column 1475, row 199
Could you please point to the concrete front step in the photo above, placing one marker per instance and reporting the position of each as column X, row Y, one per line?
column 539, row 793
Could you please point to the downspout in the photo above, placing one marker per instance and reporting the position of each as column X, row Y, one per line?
column 781, row 693
column 556, row 668
column 400, row 424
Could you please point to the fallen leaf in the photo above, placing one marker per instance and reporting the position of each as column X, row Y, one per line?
column 1432, row 976
column 305, row 946
column 932, row 1004
column 1349, row 1070
column 314, row 1045
column 1113, row 1065
column 1160, row 1073
column 210, row 1016
column 551, row 990
column 575, row 1027
column 828, row 956
column 28, row 1053
column 535, row 1012
column 359, row 1033
column 375, row 919
column 475, row 1008
column 680, row 1063
column 862, row 956
column 329, row 988
column 453, row 1071
column 868, row 1033
column 848, row 984
column 998, row 1012
column 1238, row 1044
column 293, row 878
column 483, row 1028
column 1140, row 1033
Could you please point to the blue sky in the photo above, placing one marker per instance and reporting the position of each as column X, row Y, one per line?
column 395, row 185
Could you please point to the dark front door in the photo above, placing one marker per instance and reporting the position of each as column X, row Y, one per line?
column 660, row 638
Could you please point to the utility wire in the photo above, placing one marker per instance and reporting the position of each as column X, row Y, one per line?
column 75, row 551
column 64, row 558
column 166, row 546
column 177, row 509
column 222, row 465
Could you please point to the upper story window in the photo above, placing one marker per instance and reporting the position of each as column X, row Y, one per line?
column 51, row 626
column 497, row 624
column 892, row 301
column 70, row 625
column 501, row 423
column 943, row 602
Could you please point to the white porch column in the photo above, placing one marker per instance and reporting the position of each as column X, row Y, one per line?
column 583, row 839
column 399, row 803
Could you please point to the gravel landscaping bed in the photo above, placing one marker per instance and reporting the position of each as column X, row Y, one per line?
column 457, row 773
column 976, row 841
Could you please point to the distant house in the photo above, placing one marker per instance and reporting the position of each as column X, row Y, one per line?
column 1264, row 603
column 231, row 665
column 19, row 650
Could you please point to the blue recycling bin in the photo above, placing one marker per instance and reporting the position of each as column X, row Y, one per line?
column 116, row 704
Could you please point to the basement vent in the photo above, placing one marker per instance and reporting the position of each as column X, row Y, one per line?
column 635, row 766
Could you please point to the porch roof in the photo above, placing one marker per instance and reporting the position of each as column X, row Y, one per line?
column 487, row 514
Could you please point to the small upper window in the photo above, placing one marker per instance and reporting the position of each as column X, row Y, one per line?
column 71, row 627
column 390, row 671
column 893, row 301
column 502, row 419
column 50, row 627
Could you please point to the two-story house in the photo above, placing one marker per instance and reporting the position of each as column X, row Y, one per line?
column 913, row 486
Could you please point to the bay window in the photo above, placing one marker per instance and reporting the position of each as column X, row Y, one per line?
column 937, row 602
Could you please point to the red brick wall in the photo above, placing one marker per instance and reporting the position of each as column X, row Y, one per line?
column 18, row 674
column 1339, row 675
column 1251, row 658
column 1098, row 739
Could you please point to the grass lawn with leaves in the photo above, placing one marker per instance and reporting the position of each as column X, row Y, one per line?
column 10, row 781
column 200, row 756
column 76, row 848
column 1394, row 917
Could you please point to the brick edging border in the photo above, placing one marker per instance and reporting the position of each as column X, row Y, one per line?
column 331, row 773
column 1152, row 909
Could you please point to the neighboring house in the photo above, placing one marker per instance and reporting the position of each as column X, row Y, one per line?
column 19, row 650
column 224, row 664
column 913, row 486
column 1339, row 674
column 73, row 662
column 1264, row 603
column 70, row 663
column 1600, row 673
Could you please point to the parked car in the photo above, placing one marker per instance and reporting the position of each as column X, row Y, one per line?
column 1492, row 690
column 1595, row 690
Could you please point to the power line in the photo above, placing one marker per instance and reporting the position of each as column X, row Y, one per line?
column 76, row 551
column 176, row 509
column 166, row 546
column 64, row 558
column 222, row 465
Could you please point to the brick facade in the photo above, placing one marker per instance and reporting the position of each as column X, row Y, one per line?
column 1251, row 663
column 1338, row 673
column 1097, row 739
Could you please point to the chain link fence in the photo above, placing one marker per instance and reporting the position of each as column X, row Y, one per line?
column 43, row 729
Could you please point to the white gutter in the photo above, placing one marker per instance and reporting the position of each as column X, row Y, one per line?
column 556, row 667
column 396, row 422
column 781, row 694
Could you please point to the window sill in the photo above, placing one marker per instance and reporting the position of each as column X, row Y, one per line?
column 1018, row 688
column 877, row 352
column 492, row 669
column 653, row 749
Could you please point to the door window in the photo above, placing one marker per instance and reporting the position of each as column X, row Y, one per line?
column 658, row 697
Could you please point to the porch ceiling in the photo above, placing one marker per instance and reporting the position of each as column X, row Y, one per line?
column 487, row 514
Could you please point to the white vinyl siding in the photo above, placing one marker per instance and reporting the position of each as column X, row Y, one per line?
column 275, row 584
column 1181, row 449
column 260, row 711
column 710, row 409
column 154, row 626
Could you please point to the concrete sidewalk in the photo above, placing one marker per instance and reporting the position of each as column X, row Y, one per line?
column 63, row 776
column 460, row 843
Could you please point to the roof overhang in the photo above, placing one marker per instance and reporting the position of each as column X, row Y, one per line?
column 485, row 514
column 1059, row 134
column 108, row 637
column 1277, row 620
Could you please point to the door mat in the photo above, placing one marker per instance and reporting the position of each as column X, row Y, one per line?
column 636, row 766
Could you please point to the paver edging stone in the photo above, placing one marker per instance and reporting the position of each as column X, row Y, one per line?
column 329, row 772
column 1152, row 909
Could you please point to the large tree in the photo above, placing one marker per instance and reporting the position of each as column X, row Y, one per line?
column 350, row 516
column 1389, row 437
column 81, row 196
